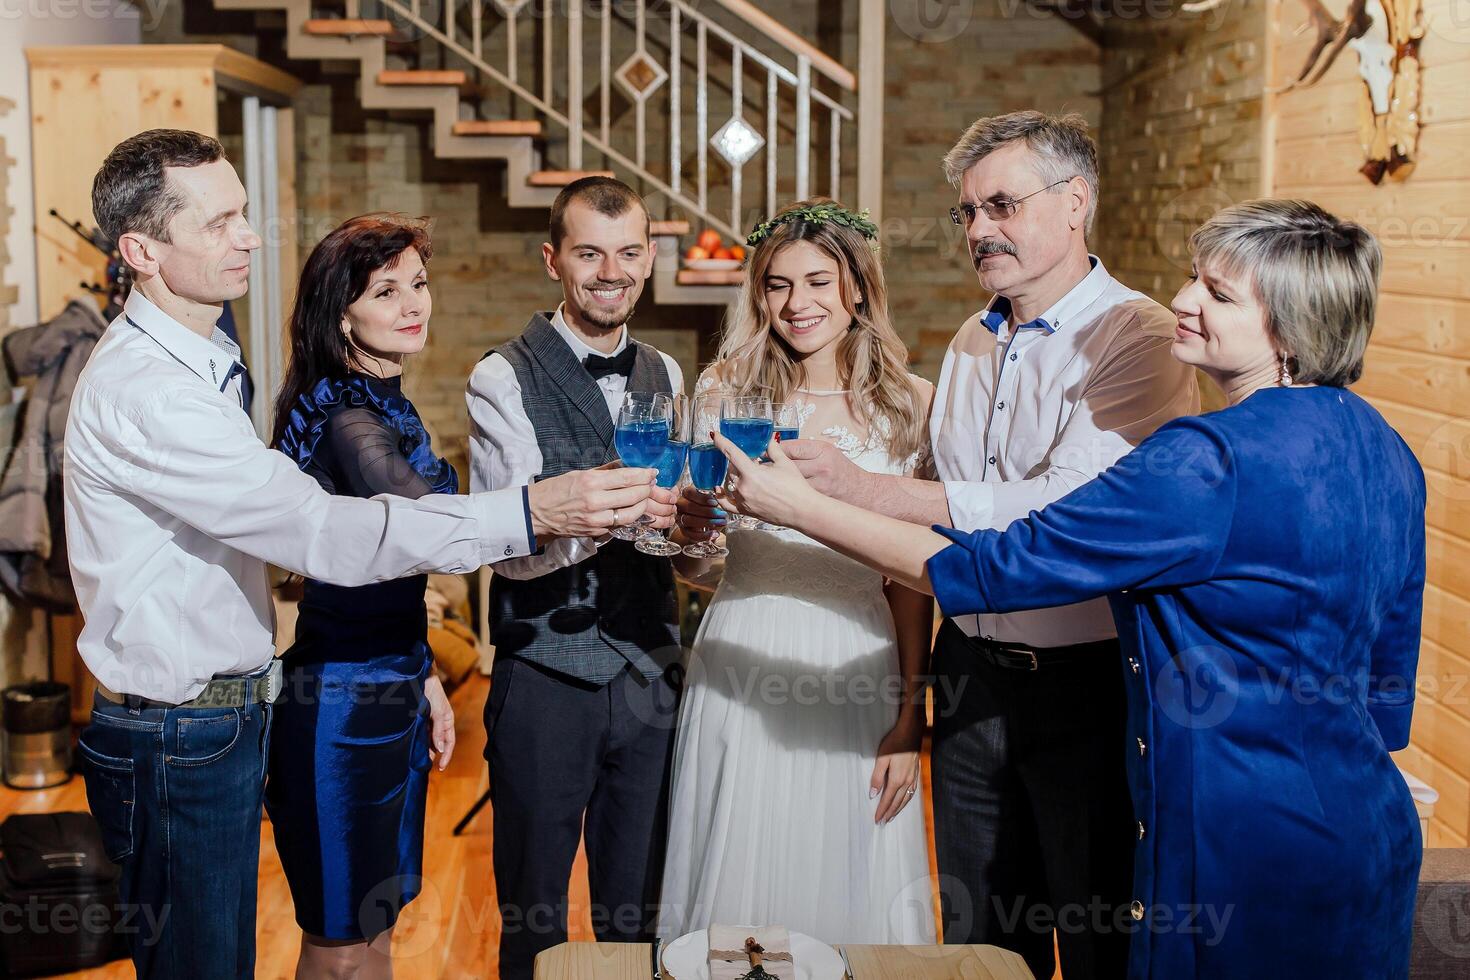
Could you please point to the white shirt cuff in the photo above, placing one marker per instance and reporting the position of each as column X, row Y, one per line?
column 971, row 505
column 505, row 523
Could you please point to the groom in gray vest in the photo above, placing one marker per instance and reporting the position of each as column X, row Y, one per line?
column 580, row 718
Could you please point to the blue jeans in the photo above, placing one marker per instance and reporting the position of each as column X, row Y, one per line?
column 177, row 793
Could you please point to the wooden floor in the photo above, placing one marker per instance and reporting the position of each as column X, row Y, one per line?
column 451, row 931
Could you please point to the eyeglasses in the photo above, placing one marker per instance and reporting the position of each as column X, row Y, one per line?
column 994, row 210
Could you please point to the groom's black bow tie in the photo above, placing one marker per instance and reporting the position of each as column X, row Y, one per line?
column 620, row 363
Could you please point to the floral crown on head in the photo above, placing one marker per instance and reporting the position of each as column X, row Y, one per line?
column 818, row 214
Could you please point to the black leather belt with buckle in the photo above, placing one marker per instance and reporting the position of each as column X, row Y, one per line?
column 236, row 691
column 1013, row 656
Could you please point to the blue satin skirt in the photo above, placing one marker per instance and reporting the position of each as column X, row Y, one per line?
column 349, row 771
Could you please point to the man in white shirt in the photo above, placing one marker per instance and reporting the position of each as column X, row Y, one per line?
column 1062, row 374
column 582, row 703
column 174, row 508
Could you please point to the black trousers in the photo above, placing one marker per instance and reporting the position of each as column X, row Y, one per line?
column 1033, row 824
column 568, row 758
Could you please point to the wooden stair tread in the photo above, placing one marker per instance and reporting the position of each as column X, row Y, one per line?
column 389, row 76
column 710, row 277
column 497, row 127
column 669, row 228
column 561, row 178
column 353, row 27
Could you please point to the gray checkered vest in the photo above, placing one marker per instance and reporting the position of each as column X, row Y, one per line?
column 591, row 619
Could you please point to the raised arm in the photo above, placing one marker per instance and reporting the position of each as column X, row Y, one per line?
column 1159, row 517
column 196, row 458
column 1137, row 389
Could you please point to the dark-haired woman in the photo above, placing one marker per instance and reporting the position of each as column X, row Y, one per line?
column 351, row 739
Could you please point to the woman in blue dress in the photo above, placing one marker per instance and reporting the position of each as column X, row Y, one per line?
column 1265, row 565
column 350, row 744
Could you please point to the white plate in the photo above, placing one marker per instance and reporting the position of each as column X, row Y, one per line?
column 713, row 265
column 687, row 958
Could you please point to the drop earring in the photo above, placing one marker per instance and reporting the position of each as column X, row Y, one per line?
column 1285, row 379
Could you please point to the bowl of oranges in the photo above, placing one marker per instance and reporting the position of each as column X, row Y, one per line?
column 710, row 253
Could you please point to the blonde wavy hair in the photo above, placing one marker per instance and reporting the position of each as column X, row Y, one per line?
column 872, row 361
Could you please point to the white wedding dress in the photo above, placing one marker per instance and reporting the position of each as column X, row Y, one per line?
column 793, row 681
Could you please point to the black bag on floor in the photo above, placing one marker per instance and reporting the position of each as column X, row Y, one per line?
column 58, row 895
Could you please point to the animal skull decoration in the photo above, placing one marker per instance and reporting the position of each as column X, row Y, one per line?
column 1386, row 35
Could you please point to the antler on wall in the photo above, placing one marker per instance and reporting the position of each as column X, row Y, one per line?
column 1332, row 36
column 1386, row 38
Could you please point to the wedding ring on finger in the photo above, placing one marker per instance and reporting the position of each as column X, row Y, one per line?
column 616, row 522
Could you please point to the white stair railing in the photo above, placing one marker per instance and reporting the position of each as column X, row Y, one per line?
column 678, row 68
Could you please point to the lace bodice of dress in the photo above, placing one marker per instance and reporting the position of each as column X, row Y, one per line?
column 791, row 564
column 788, row 562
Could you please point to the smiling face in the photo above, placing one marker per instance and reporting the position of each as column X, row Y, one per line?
column 803, row 296
column 602, row 264
column 1221, row 326
column 207, row 259
column 391, row 318
column 1045, row 229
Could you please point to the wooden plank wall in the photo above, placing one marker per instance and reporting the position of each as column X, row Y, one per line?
column 1418, row 367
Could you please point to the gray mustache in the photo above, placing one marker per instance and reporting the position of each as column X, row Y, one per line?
column 991, row 246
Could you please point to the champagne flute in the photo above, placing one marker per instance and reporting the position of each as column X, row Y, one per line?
column 670, row 472
column 707, row 465
column 746, row 421
column 786, row 417
column 640, row 437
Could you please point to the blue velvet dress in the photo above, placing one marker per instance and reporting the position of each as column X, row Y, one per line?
column 349, row 758
column 1265, row 566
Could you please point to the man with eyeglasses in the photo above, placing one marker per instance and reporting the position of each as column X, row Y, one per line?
column 1063, row 372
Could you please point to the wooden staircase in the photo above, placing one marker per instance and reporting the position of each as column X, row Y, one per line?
column 444, row 94
column 439, row 93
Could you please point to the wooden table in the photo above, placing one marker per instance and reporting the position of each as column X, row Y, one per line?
column 634, row 961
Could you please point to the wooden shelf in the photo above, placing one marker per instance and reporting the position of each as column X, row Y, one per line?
column 710, row 277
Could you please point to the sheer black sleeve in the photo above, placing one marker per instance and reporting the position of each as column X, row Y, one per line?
column 368, row 457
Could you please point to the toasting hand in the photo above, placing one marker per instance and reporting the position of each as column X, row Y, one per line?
column 700, row 515
column 775, row 492
column 827, row 469
column 587, row 503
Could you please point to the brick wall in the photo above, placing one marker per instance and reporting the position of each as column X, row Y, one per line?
column 1180, row 136
column 988, row 57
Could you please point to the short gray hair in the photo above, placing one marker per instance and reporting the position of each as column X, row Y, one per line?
column 1061, row 145
column 1315, row 275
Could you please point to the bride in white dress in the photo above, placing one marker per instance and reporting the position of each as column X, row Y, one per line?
column 795, row 798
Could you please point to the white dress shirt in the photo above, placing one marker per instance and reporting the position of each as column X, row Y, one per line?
column 503, row 447
column 174, row 507
column 1024, row 414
